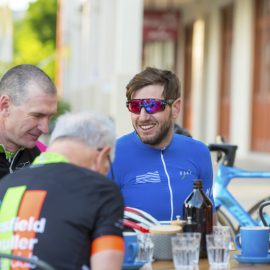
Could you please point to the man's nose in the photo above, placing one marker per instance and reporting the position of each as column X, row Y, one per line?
column 44, row 125
column 144, row 114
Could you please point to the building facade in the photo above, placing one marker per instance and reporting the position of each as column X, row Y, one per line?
column 220, row 50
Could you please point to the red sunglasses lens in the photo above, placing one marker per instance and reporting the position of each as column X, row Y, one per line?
column 134, row 106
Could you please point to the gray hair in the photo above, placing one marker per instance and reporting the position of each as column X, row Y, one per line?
column 93, row 129
column 17, row 80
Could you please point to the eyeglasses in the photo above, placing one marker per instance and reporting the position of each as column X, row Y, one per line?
column 110, row 163
column 150, row 105
column 111, row 167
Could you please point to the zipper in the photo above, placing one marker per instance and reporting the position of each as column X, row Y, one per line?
column 169, row 183
column 13, row 160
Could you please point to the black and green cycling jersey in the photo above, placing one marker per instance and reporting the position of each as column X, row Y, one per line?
column 10, row 162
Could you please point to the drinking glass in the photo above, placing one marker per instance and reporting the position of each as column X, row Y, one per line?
column 146, row 247
column 193, row 235
column 218, row 250
column 222, row 230
column 185, row 250
column 225, row 231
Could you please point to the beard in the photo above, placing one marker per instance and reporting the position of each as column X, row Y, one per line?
column 160, row 135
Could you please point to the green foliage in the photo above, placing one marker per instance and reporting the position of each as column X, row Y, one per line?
column 35, row 43
column 42, row 17
column 62, row 107
column 35, row 36
column 4, row 66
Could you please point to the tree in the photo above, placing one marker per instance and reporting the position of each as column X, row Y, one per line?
column 42, row 17
column 35, row 36
column 62, row 107
column 35, row 42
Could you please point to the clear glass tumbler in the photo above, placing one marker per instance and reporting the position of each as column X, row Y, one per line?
column 146, row 247
column 226, row 232
column 185, row 250
column 222, row 230
column 218, row 250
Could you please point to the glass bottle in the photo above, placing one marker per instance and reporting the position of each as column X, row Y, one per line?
column 199, row 207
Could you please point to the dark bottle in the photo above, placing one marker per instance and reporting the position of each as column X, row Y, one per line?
column 199, row 207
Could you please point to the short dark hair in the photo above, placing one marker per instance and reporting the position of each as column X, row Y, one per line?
column 15, row 82
column 182, row 131
column 153, row 76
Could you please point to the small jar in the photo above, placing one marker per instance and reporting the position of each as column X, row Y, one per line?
column 190, row 226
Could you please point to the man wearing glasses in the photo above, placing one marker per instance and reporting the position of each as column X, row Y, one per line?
column 154, row 167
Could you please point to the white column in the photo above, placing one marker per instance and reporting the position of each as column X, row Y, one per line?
column 211, row 96
column 103, row 44
column 128, row 54
column 197, row 77
column 6, row 32
column 241, row 88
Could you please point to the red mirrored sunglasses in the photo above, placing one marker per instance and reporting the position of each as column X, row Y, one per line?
column 149, row 104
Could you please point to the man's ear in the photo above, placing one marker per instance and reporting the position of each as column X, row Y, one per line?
column 102, row 165
column 176, row 106
column 4, row 104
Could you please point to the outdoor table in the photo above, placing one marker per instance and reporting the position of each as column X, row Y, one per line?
column 203, row 265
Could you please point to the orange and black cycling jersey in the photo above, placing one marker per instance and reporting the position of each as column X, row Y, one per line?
column 60, row 213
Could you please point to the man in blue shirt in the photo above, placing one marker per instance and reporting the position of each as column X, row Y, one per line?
column 154, row 167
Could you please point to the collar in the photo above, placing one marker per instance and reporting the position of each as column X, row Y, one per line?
column 143, row 145
column 49, row 157
column 9, row 155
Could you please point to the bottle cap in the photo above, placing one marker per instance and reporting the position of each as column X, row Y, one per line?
column 197, row 183
column 178, row 221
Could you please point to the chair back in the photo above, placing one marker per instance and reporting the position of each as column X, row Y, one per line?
column 262, row 214
column 34, row 261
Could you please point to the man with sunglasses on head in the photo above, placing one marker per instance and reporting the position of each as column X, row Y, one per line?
column 155, row 167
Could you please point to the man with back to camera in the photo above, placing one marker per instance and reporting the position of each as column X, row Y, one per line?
column 154, row 167
column 28, row 99
column 61, row 208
